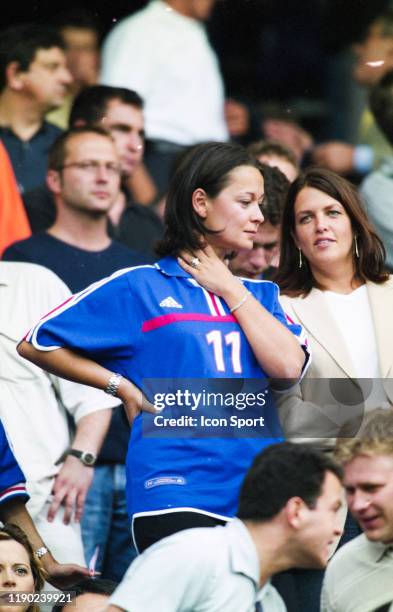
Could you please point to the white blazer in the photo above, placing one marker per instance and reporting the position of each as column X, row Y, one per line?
column 329, row 401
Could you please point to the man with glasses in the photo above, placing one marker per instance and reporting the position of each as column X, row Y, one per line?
column 84, row 179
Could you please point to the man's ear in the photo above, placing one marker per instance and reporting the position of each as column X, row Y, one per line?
column 200, row 202
column 295, row 509
column 53, row 181
column 14, row 76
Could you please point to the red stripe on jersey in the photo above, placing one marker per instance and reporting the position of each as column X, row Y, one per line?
column 50, row 312
column 176, row 317
column 59, row 306
column 15, row 489
column 214, row 302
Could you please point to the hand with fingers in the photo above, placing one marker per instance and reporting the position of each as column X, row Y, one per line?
column 133, row 400
column 70, row 489
column 209, row 270
column 64, row 575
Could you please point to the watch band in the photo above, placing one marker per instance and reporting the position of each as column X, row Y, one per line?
column 113, row 384
column 86, row 457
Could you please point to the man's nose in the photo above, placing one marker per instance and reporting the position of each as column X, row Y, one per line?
column 136, row 142
column 258, row 257
column 66, row 76
column 359, row 501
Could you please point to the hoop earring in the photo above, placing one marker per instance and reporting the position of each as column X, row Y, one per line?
column 300, row 259
column 355, row 239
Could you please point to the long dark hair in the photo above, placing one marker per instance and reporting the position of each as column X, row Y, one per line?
column 205, row 166
column 295, row 281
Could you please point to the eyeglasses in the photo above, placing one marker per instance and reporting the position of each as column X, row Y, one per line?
column 91, row 167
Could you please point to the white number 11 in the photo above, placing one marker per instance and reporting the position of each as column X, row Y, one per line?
column 232, row 339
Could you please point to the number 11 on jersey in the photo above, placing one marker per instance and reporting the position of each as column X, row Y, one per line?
column 215, row 338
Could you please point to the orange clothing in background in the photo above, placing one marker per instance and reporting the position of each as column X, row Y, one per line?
column 14, row 224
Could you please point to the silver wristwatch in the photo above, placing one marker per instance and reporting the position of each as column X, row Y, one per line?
column 113, row 384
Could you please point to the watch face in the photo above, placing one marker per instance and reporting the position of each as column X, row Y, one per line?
column 88, row 458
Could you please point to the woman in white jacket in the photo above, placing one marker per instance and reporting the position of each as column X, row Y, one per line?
column 333, row 283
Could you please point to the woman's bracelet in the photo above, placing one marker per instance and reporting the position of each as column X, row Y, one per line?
column 113, row 384
column 244, row 298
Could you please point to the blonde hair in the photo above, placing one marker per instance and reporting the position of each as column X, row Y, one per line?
column 375, row 438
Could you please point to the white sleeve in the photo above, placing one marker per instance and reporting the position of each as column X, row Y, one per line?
column 80, row 400
column 170, row 576
column 326, row 604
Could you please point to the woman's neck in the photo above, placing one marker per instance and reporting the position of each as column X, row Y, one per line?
column 339, row 279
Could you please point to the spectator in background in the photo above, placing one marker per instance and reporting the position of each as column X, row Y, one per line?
column 33, row 80
column 262, row 260
column 359, row 577
column 377, row 187
column 120, row 111
column 277, row 155
column 374, row 58
column 84, row 178
column 80, row 31
column 176, row 72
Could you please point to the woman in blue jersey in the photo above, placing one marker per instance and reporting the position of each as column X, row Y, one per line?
column 186, row 317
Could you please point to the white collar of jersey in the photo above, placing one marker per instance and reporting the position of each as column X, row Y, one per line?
column 170, row 267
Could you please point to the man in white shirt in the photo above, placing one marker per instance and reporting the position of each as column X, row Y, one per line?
column 359, row 576
column 35, row 408
column 163, row 53
column 288, row 516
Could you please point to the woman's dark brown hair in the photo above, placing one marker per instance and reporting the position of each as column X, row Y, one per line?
column 13, row 532
column 295, row 281
column 207, row 166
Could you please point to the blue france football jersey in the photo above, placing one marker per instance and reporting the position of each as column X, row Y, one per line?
column 156, row 322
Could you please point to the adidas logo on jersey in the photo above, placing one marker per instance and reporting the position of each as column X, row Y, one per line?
column 169, row 302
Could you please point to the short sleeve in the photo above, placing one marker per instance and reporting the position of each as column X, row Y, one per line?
column 100, row 321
